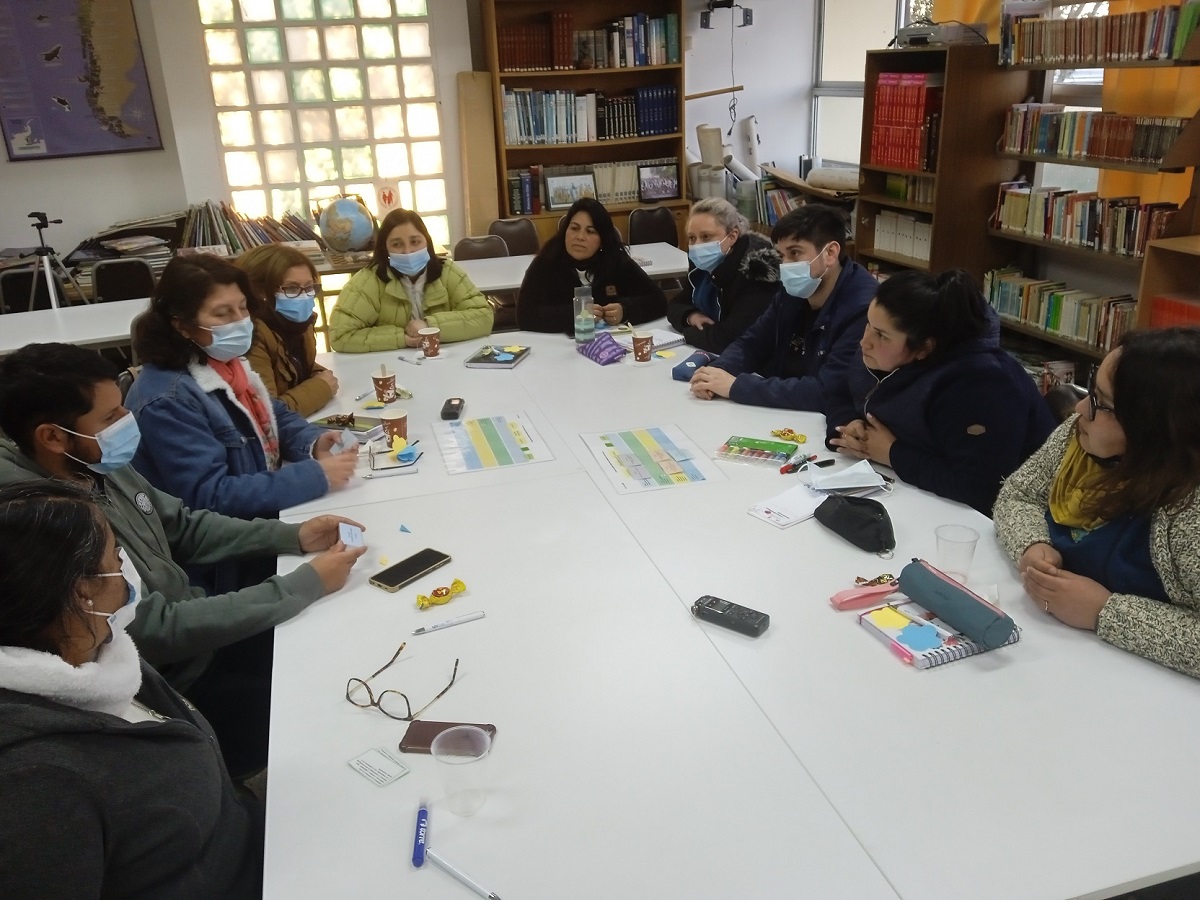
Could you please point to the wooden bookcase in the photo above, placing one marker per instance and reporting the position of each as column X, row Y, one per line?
column 962, row 191
column 1167, row 263
column 585, row 14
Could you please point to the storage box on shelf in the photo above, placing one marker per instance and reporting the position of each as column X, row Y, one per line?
column 580, row 90
column 929, row 169
column 1112, row 235
column 1170, row 286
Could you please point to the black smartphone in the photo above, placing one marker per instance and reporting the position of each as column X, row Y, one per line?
column 409, row 570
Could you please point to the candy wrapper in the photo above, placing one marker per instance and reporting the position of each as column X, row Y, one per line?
column 441, row 595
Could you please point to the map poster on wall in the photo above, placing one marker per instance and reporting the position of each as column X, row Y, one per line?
column 73, row 80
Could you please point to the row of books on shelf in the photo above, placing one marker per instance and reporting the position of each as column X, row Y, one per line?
column 625, row 42
column 902, row 234
column 213, row 225
column 1096, row 320
column 1118, row 225
column 613, row 182
column 536, row 117
column 1029, row 35
column 1174, row 309
column 909, row 187
column 904, row 124
column 1051, row 129
column 775, row 201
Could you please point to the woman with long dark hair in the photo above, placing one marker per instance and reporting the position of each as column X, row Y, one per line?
column 406, row 288
column 935, row 397
column 113, row 784
column 1104, row 520
column 586, row 251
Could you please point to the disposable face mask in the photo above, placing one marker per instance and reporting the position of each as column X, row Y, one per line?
column 119, row 620
column 230, row 340
column 410, row 263
column 706, row 256
column 860, row 475
column 296, row 309
column 118, row 442
column 798, row 279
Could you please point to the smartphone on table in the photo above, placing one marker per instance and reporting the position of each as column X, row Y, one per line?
column 409, row 570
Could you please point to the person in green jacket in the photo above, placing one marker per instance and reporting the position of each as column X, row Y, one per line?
column 406, row 289
column 62, row 416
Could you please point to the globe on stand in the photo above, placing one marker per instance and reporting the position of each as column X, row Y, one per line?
column 347, row 225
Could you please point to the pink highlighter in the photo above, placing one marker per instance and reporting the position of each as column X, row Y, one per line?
column 863, row 596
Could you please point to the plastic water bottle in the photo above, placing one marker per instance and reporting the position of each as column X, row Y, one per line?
column 585, row 322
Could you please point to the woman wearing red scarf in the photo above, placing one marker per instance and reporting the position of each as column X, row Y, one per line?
column 211, row 433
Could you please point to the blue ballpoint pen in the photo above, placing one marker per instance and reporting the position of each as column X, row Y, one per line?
column 422, row 831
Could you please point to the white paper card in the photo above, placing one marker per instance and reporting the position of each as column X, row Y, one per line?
column 792, row 506
column 379, row 767
column 351, row 535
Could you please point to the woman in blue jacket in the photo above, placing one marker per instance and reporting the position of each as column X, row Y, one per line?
column 935, row 397
column 211, row 433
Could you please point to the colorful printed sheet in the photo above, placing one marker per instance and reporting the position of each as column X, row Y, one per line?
column 646, row 459
column 476, row 444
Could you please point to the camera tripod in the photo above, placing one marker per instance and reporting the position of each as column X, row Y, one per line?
column 48, row 262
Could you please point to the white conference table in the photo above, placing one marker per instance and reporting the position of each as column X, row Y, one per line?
column 90, row 325
column 505, row 273
column 1053, row 768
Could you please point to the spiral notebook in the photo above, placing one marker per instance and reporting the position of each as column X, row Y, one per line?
column 918, row 637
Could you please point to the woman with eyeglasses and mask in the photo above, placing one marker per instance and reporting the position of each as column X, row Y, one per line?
column 283, row 306
column 1104, row 520
column 406, row 288
column 112, row 784
column 934, row 396
column 212, row 435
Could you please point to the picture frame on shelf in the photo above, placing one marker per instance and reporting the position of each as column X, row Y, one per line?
column 563, row 190
column 659, row 182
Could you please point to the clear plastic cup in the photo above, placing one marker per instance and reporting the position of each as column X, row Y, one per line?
column 955, row 550
column 462, row 754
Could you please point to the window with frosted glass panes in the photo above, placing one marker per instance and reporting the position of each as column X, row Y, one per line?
column 321, row 98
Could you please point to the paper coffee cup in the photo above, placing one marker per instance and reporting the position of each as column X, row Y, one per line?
column 385, row 387
column 643, row 346
column 431, row 341
column 395, row 424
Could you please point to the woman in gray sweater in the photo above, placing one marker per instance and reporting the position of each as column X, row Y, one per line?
column 112, row 784
column 1104, row 520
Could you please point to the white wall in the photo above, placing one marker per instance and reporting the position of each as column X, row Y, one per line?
column 90, row 193
column 773, row 61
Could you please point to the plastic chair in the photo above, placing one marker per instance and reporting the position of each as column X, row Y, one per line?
column 652, row 224
column 14, row 291
column 519, row 234
column 487, row 247
column 503, row 303
column 121, row 279
column 125, row 379
column 1062, row 399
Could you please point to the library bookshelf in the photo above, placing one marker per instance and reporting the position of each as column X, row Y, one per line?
column 951, row 201
column 576, row 55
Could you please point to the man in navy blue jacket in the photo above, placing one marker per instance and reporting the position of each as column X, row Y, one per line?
column 808, row 337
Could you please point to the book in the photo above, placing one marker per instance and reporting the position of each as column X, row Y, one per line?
column 490, row 356
column 365, row 428
column 662, row 339
column 919, row 637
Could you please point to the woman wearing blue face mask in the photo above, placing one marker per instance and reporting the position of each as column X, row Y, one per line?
column 406, row 288
column 113, row 784
column 733, row 275
column 284, row 309
column 211, row 433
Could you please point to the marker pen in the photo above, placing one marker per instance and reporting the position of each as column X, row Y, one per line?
column 418, row 856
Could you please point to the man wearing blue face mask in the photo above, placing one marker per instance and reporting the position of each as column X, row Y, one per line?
column 808, row 337
column 284, row 347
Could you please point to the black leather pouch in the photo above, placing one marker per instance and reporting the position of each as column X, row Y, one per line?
column 862, row 521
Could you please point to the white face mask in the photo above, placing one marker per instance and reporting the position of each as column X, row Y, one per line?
column 120, row 619
column 860, row 475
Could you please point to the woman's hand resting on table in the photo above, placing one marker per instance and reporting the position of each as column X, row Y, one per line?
column 1068, row 597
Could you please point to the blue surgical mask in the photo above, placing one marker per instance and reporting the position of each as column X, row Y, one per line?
column 118, row 442
column 706, row 256
column 410, row 263
column 121, row 618
column 797, row 277
column 230, row 340
column 296, row 309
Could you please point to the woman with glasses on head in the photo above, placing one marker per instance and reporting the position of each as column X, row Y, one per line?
column 112, row 784
column 1104, row 520
column 211, row 433
column 283, row 305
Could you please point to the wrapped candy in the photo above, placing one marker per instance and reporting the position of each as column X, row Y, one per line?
column 789, row 434
column 440, row 595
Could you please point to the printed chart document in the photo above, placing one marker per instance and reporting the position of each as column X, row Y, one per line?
column 647, row 459
column 473, row 445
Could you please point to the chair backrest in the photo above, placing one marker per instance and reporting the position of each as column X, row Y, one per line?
column 651, row 224
column 125, row 379
column 519, row 234
column 485, row 247
column 14, row 290
column 121, row 279
column 1062, row 399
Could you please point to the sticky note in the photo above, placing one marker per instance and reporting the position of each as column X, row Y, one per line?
column 888, row 618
